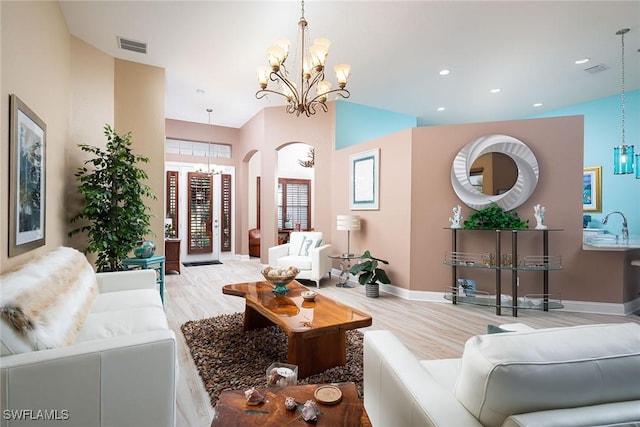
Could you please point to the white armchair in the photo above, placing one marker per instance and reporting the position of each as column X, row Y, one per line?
column 306, row 252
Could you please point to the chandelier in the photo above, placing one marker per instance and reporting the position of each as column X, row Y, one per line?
column 623, row 154
column 312, row 90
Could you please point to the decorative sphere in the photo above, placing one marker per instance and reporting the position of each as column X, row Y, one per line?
column 144, row 249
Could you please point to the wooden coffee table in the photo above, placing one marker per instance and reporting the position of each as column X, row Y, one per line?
column 316, row 330
column 232, row 408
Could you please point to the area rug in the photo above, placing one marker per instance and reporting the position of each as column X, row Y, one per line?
column 198, row 263
column 229, row 358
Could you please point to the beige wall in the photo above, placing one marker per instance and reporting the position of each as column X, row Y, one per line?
column 559, row 189
column 36, row 68
column 385, row 232
column 139, row 109
column 416, row 199
column 92, row 105
column 281, row 129
column 72, row 87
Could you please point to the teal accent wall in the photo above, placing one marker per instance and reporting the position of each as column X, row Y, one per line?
column 356, row 123
column 602, row 132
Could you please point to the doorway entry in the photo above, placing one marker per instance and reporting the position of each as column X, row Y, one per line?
column 200, row 209
column 200, row 213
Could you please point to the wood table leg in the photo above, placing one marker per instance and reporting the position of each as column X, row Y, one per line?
column 254, row 320
column 317, row 354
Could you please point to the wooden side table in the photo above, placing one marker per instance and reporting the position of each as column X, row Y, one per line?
column 232, row 409
column 155, row 262
column 172, row 253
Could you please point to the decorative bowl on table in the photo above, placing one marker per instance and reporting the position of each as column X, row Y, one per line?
column 309, row 296
column 280, row 277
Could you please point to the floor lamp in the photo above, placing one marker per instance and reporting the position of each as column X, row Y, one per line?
column 349, row 223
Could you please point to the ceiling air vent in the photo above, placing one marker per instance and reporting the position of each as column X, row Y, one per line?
column 132, row 45
column 596, row 68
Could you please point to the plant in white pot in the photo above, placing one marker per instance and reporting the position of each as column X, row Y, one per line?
column 369, row 274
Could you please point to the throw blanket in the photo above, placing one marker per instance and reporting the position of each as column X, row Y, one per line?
column 47, row 300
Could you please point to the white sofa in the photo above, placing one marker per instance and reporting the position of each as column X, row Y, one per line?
column 307, row 252
column 560, row 377
column 84, row 349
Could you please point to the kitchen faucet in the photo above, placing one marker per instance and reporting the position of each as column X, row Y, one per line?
column 625, row 229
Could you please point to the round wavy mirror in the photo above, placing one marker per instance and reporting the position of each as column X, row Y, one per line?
column 463, row 181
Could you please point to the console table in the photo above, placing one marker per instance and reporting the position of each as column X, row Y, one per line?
column 155, row 262
column 501, row 261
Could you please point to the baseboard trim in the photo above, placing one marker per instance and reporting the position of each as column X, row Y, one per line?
column 573, row 306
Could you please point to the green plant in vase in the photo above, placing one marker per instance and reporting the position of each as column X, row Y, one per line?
column 370, row 274
column 114, row 209
column 494, row 217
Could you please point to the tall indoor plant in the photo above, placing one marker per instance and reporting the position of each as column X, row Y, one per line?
column 370, row 274
column 114, row 209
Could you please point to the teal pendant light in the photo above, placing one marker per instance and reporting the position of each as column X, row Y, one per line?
column 623, row 157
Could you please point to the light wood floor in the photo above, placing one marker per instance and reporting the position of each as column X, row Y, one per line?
column 431, row 330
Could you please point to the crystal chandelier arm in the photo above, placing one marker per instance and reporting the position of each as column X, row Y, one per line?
column 310, row 84
column 275, row 77
column 342, row 92
column 311, row 108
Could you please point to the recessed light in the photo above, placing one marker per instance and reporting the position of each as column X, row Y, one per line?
column 496, row 90
column 444, row 72
column 538, row 104
column 582, row 61
column 441, row 108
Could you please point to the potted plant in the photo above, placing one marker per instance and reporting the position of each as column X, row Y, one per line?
column 114, row 210
column 494, row 217
column 369, row 274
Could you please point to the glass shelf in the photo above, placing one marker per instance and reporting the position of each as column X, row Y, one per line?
column 529, row 301
column 488, row 261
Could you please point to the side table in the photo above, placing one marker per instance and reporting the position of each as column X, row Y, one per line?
column 232, row 410
column 345, row 266
column 154, row 262
column 172, row 254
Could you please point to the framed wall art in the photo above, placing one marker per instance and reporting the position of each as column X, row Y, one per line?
column 592, row 189
column 364, row 180
column 27, row 196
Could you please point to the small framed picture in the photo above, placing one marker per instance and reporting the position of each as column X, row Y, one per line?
column 364, row 180
column 592, row 189
column 468, row 286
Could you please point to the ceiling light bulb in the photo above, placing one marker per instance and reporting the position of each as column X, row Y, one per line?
column 538, row 104
column 582, row 61
column 496, row 90
column 441, row 108
column 323, row 42
column 276, row 56
column 318, row 55
column 284, row 44
column 263, row 76
column 342, row 74
column 444, row 72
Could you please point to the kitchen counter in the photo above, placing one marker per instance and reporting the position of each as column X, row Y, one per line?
column 610, row 243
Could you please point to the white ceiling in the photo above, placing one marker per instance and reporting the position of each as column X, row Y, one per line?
column 395, row 49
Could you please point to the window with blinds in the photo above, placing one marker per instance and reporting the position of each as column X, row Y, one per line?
column 225, row 199
column 294, row 203
column 172, row 203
